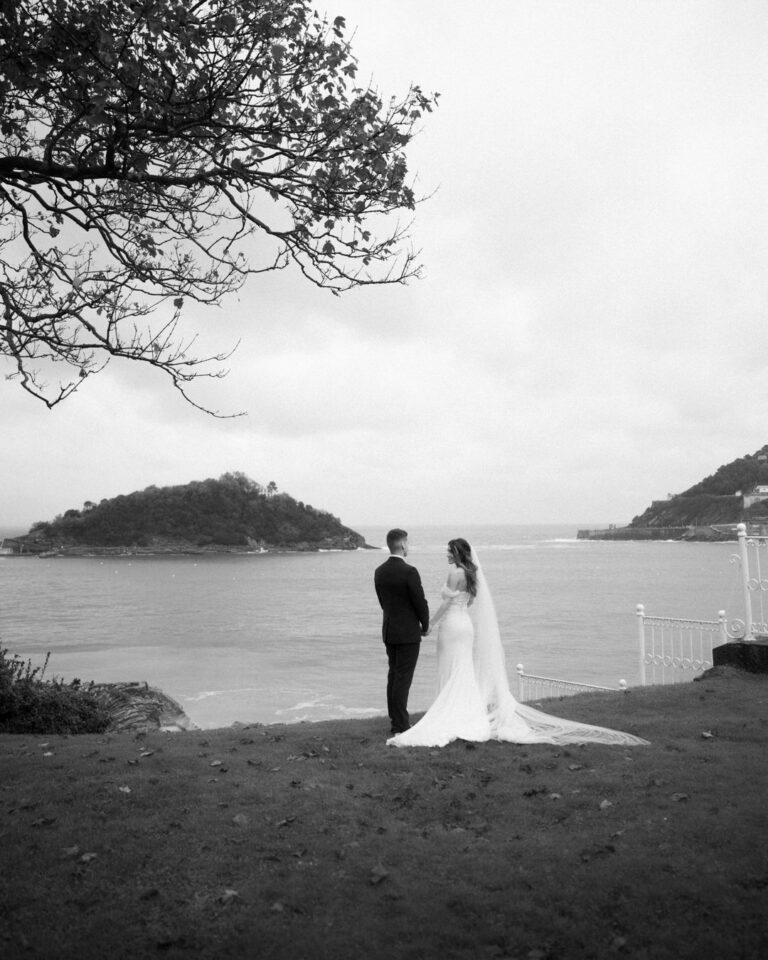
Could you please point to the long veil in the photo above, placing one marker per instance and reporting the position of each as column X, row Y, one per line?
column 511, row 720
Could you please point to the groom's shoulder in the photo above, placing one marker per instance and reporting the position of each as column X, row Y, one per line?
column 395, row 565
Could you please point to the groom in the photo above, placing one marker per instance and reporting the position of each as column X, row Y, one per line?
column 406, row 620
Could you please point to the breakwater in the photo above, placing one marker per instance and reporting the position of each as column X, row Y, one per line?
column 694, row 533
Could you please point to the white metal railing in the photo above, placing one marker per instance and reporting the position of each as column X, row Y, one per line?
column 751, row 560
column 531, row 687
column 675, row 649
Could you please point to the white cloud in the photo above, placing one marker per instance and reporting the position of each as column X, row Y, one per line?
column 589, row 334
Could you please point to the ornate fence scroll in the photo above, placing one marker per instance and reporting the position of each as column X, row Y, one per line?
column 531, row 687
column 673, row 649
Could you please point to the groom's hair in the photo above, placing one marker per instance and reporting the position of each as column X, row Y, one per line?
column 395, row 538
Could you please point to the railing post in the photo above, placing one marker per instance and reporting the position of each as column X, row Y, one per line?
column 723, row 626
column 520, row 682
column 641, row 637
column 741, row 530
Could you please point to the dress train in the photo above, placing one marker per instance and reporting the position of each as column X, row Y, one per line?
column 474, row 701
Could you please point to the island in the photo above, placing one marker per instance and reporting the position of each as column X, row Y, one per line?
column 233, row 514
column 736, row 492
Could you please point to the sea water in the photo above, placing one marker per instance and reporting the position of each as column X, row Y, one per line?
column 286, row 637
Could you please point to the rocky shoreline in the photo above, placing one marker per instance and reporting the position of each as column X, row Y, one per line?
column 183, row 549
column 690, row 533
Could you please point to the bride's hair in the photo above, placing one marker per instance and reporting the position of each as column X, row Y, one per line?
column 462, row 554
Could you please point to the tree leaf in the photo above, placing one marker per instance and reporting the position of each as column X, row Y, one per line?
column 378, row 874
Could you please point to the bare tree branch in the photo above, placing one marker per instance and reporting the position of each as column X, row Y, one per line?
column 153, row 153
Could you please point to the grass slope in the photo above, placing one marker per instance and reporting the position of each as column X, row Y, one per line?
column 318, row 841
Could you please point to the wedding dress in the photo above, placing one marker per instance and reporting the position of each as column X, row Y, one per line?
column 474, row 701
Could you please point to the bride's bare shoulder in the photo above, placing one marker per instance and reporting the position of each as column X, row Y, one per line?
column 457, row 579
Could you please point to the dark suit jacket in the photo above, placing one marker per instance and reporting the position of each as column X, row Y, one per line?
column 401, row 595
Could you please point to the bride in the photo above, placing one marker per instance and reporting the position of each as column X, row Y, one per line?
column 474, row 701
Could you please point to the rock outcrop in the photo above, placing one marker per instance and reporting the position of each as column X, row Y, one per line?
column 140, row 708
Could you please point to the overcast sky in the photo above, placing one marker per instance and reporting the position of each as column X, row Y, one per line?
column 589, row 334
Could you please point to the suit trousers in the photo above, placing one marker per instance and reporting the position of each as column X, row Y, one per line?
column 402, row 662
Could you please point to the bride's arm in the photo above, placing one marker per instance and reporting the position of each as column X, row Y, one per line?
column 438, row 614
column 454, row 582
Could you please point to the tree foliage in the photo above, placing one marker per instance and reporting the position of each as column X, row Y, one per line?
column 154, row 152
column 233, row 511
column 30, row 704
column 714, row 499
column 734, row 476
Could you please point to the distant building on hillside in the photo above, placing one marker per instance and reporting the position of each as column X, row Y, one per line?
column 754, row 494
column 10, row 546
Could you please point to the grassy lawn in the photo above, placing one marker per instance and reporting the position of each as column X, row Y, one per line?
column 318, row 841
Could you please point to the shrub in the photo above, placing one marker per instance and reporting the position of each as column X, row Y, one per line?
column 30, row 704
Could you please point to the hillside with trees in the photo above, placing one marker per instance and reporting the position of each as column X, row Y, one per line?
column 734, row 476
column 708, row 510
column 233, row 513
column 717, row 499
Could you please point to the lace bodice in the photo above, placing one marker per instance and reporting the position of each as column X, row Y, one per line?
column 455, row 598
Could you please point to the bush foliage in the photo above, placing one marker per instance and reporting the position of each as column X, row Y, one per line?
column 30, row 704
